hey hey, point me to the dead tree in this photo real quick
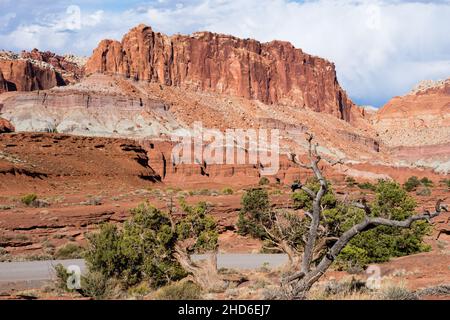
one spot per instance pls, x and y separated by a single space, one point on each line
309 271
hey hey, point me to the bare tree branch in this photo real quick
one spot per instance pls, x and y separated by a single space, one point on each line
369 222
316 240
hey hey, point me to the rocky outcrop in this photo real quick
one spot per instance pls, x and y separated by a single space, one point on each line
6 126
23 75
274 72
70 68
36 70
417 126
419 118
3 83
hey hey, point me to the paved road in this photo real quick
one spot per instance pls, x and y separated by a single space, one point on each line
43 270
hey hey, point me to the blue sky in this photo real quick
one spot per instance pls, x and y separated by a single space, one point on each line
381 48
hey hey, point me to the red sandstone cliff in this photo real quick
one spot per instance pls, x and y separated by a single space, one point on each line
70 69
23 75
421 117
37 70
3 83
274 72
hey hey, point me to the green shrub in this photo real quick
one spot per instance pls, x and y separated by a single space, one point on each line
375 245
140 290
426 182
183 290
227 191
383 242
96 285
264 181
367 186
61 277
197 224
142 250
352 257
254 214
303 201
350 181
411 184
93 284
69 251
29 199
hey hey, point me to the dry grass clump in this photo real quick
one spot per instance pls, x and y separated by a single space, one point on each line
181 290
397 292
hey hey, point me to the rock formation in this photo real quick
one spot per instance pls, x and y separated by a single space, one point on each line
70 67
421 117
273 73
3 83
6 126
23 75
37 70
104 105
417 125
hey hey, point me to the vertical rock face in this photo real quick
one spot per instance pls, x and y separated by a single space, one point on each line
3 84
23 75
68 67
36 70
274 72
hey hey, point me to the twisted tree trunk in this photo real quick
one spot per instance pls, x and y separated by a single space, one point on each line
204 272
297 285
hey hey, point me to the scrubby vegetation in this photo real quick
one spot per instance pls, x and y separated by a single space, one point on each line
182 290
255 213
28 199
413 183
94 284
426 182
69 251
227 191
424 192
145 248
446 182
198 225
264 181
350 181
384 242
397 292
151 251
378 244
367 186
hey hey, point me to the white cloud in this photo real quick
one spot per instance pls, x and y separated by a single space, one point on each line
5 19
380 48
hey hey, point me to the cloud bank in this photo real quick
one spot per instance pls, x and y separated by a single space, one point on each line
380 48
